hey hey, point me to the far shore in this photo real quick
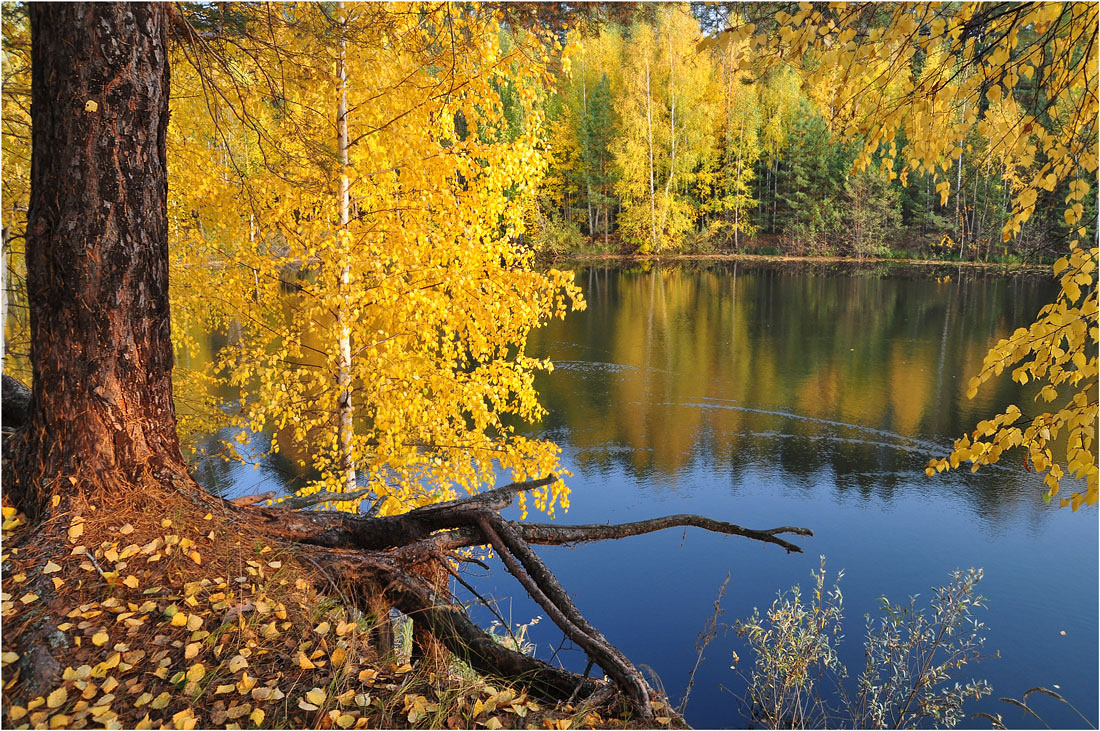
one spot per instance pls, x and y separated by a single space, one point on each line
778 258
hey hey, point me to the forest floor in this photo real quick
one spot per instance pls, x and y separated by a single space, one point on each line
159 616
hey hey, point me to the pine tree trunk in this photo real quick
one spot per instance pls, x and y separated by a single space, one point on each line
97 248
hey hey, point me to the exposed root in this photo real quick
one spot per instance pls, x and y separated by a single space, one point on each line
384 551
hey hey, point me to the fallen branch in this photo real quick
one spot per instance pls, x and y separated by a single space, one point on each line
378 555
548 534
544 588
414 596
344 530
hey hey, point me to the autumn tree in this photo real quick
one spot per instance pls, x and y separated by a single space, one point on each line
737 150
583 130
666 125
388 196
15 192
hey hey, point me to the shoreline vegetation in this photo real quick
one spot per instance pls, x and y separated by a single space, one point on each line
792 258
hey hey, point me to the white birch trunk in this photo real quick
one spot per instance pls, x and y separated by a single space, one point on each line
649 137
345 409
672 130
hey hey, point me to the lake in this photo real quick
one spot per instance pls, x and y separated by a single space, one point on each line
809 395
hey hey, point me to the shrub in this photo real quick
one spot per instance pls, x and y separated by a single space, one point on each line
797 679
556 236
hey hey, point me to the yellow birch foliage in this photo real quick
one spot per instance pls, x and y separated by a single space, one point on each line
666 107
438 297
1025 74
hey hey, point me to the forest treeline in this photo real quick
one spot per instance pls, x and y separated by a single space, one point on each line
661 140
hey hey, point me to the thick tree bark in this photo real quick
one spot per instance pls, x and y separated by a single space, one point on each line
97 247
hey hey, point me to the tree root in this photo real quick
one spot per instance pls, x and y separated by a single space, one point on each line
380 556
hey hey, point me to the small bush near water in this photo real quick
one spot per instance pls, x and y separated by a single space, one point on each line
797 680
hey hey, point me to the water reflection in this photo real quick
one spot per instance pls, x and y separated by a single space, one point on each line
806 367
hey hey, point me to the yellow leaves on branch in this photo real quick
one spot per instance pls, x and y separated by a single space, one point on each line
1059 349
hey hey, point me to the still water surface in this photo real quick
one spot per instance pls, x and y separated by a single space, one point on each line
807 395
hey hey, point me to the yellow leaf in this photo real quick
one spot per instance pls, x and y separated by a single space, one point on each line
57 697
91 106
161 701
315 695
100 638
51 568
246 684
236 663
257 716
304 662
196 672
